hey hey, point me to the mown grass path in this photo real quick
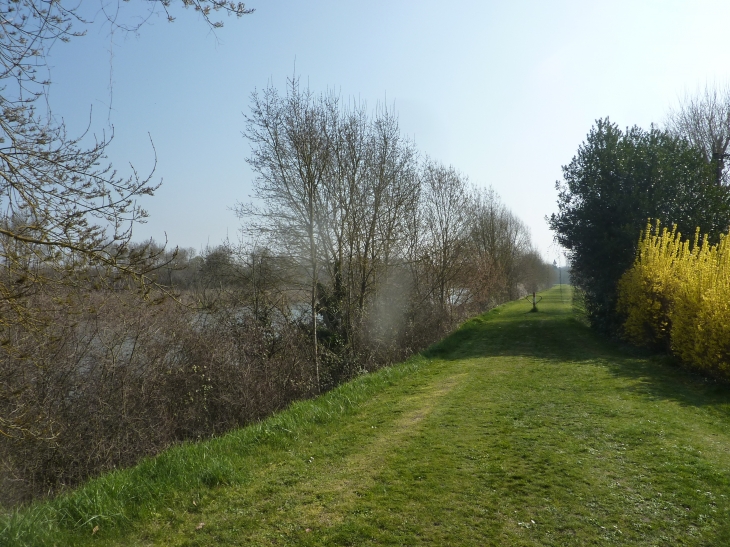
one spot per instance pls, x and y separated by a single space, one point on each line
520 429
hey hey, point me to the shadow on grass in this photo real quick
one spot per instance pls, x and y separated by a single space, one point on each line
555 335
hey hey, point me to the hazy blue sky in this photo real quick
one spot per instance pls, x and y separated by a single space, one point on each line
503 91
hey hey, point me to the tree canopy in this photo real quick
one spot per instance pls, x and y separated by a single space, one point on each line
615 183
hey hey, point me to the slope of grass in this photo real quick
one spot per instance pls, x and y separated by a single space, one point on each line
519 429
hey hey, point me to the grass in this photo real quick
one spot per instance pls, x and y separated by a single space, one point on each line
519 429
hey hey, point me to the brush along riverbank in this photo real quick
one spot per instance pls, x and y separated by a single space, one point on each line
519 429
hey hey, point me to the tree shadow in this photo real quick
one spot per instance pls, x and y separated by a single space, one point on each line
554 335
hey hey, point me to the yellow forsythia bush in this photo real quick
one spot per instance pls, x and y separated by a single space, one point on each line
647 290
676 296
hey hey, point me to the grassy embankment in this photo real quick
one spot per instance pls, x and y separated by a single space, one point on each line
519 429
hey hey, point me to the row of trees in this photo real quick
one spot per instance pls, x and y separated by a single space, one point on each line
115 377
378 237
619 179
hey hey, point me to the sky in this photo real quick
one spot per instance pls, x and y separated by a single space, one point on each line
505 92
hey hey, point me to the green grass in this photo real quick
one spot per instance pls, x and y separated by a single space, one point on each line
519 429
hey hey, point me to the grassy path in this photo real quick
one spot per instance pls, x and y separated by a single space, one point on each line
520 429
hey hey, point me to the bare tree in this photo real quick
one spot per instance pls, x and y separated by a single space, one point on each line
57 194
292 155
499 241
372 189
446 202
486 236
374 236
61 203
704 119
342 196
392 194
536 274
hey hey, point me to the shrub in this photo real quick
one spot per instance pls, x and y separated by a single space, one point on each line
648 289
125 380
675 296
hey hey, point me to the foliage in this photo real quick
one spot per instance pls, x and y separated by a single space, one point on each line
615 183
648 290
675 296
